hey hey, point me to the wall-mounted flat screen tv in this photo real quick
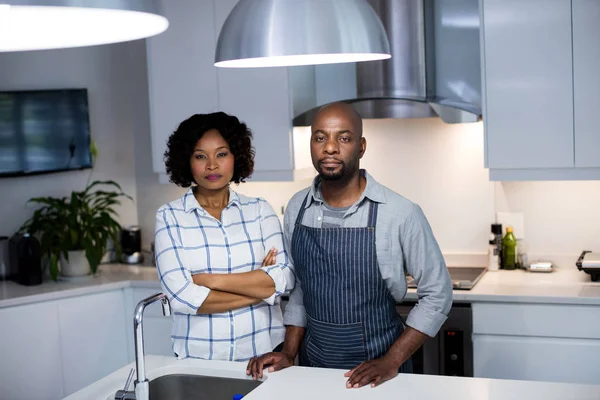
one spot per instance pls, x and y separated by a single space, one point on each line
44 131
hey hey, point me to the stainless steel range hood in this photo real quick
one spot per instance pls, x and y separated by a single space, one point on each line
434 70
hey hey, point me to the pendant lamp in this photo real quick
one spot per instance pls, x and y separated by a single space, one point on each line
50 24
275 33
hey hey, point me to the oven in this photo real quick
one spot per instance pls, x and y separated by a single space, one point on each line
451 351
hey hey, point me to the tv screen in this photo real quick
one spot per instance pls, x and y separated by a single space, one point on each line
44 131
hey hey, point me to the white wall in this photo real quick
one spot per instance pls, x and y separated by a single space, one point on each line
440 167
106 72
561 218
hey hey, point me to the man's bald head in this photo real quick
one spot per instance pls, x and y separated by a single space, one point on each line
341 111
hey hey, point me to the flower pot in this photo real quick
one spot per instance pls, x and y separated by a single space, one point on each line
77 265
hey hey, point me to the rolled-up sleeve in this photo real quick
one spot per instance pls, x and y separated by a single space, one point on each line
175 277
425 263
282 272
295 313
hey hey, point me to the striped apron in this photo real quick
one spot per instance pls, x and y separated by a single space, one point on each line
351 314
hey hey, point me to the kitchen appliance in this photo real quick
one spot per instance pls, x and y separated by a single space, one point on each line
6 268
450 352
131 245
26 257
435 69
589 262
463 278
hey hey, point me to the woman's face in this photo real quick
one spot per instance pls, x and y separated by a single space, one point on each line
212 161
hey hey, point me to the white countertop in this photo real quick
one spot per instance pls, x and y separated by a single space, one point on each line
109 277
313 383
564 286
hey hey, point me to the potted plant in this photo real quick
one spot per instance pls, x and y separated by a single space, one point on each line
74 231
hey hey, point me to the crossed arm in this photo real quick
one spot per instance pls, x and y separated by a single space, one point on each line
233 291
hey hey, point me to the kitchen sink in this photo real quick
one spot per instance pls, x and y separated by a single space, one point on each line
199 387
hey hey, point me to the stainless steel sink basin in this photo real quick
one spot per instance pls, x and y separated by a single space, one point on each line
199 387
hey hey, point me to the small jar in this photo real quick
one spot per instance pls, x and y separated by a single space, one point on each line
493 259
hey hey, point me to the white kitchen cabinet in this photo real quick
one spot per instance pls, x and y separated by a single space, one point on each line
538 342
93 340
30 353
586 81
540 89
528 83
537 359
184 81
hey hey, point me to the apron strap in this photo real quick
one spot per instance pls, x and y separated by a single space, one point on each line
372 214
302 208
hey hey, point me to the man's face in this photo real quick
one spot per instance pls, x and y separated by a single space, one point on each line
336 145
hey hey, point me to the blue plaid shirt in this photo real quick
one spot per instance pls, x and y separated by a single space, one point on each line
188 241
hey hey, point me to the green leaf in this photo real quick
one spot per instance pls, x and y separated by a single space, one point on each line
54 267
93 150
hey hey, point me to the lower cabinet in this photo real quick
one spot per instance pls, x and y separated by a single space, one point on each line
537 359
92 338
537 342
51 349
30 353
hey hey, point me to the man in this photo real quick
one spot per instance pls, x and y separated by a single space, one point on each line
351 241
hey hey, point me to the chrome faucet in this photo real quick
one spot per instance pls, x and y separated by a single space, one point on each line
142 386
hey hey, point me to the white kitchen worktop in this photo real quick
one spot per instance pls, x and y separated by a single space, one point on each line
313 383
566 285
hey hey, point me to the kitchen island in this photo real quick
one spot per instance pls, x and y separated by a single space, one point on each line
298 383
526 326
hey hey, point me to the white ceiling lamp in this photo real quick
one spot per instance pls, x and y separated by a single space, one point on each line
275 33
52 24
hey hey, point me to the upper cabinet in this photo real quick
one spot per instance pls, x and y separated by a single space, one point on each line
540 88
183 81
586 81
528 78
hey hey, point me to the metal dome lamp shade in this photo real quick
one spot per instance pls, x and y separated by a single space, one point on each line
277 33
51 24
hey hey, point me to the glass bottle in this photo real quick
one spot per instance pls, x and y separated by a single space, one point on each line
509 247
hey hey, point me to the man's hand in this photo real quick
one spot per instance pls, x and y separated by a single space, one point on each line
276 361
374 372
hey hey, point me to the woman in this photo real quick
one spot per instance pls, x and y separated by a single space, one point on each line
219 254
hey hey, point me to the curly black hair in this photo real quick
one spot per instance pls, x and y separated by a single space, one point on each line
181 143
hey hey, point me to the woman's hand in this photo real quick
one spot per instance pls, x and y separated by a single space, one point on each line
271 258
206 280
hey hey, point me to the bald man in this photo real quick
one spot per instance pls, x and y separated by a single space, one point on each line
351 242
